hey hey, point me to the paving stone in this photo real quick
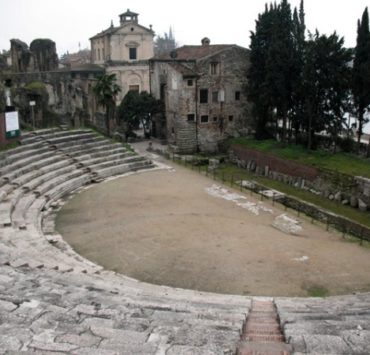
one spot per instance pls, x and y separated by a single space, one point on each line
92 351
62 347
10 343
82 340
326 344
125 347
7 306
192 350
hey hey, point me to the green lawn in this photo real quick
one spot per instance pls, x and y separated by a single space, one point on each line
229 170
342 162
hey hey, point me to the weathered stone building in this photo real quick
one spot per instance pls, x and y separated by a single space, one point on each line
202 88
125 51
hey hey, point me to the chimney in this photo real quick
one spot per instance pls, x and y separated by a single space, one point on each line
206 41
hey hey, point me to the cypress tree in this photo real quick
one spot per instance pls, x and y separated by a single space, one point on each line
299 35
361 73
256 88
326 82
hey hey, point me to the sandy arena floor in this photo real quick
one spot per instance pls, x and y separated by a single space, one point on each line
163 227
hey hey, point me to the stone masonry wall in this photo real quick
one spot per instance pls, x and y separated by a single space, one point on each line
228 118
69 96
344 189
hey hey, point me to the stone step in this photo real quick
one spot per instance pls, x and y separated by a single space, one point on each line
50 165
36 164
56 180
123 168
109 151
89 148
262 333
68 141
94 161
258 348
19 167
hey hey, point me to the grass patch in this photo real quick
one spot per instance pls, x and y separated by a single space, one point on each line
317 291
8 146
344 163
229 170
128 147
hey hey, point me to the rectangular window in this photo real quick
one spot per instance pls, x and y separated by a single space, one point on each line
103 54
214 96
132 53
190 82
237 95
231 118
214 68
162 92
203 93
98 53
191 117
204 118
214 118
134 88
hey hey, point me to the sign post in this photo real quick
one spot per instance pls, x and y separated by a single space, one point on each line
11 123
32 104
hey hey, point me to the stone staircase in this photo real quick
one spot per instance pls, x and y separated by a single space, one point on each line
262 333
54 301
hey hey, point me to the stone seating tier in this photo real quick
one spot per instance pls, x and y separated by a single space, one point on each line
53 300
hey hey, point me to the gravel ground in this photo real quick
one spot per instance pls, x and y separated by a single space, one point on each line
170 227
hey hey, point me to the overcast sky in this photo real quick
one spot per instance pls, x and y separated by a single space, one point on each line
72 22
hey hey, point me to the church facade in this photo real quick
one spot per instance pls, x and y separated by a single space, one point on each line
125 50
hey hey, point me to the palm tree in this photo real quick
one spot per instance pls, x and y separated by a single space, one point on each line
105 91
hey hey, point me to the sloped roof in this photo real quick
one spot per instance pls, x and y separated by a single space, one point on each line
183 69
195 52
108 31
112 29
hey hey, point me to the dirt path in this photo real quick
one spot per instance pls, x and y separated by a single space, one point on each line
164 227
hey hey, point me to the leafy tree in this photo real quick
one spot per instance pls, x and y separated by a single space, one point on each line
326 77
137 109
361 72
106 90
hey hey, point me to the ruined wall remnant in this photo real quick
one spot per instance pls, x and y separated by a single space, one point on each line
22 59
61 97
45 55
41 56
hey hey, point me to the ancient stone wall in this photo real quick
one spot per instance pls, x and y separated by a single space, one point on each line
277 164
45 54
68 97
344 189
41 56
22 59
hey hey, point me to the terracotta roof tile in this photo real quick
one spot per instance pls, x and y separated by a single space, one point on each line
195 52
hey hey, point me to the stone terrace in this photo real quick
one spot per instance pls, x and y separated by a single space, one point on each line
55 301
